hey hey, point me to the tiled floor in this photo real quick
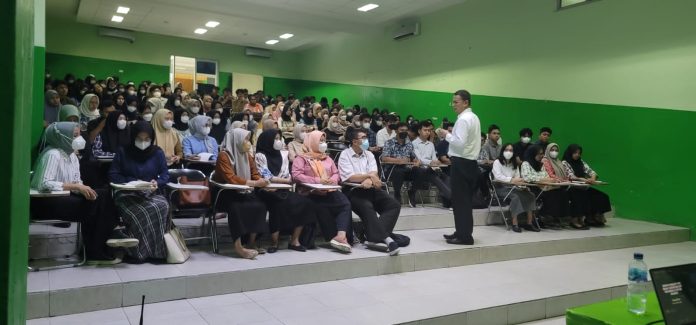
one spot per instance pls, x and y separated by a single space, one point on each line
411 296
427 240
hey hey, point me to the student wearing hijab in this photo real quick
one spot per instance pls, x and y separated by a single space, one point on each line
181 123
89 109
332 207
506 169
173 102
166 137
219 126
246 212
578 170
296 146
308 117
144 212
155 98
69 113
199 141
131 110
334 130
578 198
376 124
51 107
58 169
119 100
194 106
555 200
287 123
287 210
114 135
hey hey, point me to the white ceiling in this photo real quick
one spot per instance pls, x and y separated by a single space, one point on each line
249 22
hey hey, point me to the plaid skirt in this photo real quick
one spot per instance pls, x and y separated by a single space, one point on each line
145 216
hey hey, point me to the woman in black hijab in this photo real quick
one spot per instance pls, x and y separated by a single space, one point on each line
287 210
597 202
116 132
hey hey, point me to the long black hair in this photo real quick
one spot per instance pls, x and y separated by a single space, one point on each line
502 159
530 156
577 165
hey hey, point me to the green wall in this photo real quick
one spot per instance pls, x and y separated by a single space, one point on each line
60 64
16 65
641 151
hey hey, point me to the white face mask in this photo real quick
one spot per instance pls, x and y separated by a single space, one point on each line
357 123
216 121
322 147
379 123
206 130
302 109
168 124
334 125
349 114
157 94
121 124
553 154
142 145
132 109
131 92
195 109
142 91
177 103
219 109
278 145
366 125
302 136
184 119
342 117
526 139
147 117
507 154
79 143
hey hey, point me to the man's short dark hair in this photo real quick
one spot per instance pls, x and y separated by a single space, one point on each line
354 134
545 129
400 125
483 135
427 123
415 127
390 118
239 91
464 95
493 127
227 90
526 131
364 116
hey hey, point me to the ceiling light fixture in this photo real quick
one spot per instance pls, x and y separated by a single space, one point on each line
117 19
286 36
368 7
212 24
200 31
271 42
122 10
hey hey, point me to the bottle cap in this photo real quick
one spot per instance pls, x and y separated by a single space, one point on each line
638 256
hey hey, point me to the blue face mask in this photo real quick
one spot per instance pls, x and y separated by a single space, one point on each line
365 144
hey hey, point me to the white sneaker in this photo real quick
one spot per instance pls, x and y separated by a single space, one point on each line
340 246
382 247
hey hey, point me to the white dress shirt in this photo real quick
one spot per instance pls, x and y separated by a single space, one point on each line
383 135
350 163
425 151
465 139
505 172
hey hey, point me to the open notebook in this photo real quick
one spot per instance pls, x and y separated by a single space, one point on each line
133 186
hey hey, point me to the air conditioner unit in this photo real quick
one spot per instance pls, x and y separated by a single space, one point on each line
117 33
261 53
406 31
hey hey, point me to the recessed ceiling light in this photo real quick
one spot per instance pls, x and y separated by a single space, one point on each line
212 24
122 10
271 42
117 19
286 36
368 7
200 31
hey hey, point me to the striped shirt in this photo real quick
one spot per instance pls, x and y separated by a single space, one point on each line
54 168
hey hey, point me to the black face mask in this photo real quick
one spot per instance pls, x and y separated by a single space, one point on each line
403 135
391 126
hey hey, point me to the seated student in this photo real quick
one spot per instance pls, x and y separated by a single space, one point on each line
398 153
51 107
295 147
246 212
89 109
332 207
199 141
287 123
113 136
58 169
145 213
131 108
181 123
442 146
356 124
166 138
578 170
69 113
506 169
387 132
491 149
376 125
335 131
521 146
425 152
146 113
544 137
219 126
578 196
358 165
555 200
286 210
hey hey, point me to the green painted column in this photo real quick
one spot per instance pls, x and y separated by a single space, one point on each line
16 67
38 80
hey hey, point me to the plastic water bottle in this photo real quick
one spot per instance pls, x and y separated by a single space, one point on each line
636 294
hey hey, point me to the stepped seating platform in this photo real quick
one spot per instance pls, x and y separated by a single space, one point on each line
93 289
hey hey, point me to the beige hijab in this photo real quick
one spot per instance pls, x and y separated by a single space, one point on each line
164 138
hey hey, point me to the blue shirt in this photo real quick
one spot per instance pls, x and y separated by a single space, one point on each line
393 149
194 146
125 169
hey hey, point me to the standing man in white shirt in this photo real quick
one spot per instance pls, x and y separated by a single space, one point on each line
464 148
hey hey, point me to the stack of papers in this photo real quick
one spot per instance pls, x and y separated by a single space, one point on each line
134 186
